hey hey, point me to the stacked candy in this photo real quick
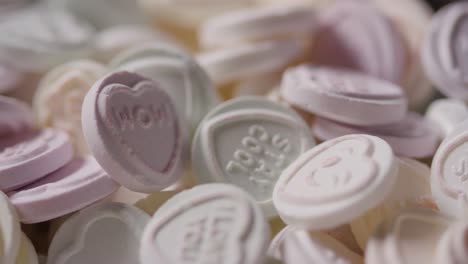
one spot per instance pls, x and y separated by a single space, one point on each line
116 147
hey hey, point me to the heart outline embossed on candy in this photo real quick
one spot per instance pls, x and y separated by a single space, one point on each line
162 116
132 128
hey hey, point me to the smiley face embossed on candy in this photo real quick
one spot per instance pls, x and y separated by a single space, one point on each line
212 223
335 182
133 130
248 142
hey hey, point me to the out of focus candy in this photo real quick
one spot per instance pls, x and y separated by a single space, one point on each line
103 233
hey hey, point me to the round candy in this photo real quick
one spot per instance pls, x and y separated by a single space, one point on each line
411 237
412 137
335 182
210 223
132 128
235 63
445 50
300 247
60 94
412 190
112 41
74 186
177 73
27 157
10 231
248 142
257 24
449 173
411 18
446 114
355 35
40 38
343 95
15 116
105 233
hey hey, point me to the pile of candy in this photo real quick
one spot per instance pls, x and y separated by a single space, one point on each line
236 131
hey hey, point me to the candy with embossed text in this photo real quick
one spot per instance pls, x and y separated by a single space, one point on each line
335 182
248 142
449 173
215 223
133 130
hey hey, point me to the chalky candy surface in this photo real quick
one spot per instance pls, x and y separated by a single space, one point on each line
29 156
248 142
104 233
356 35
209 223
343 95
178 74
133 130
335 182
72 187
60 94
411 137
449 175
